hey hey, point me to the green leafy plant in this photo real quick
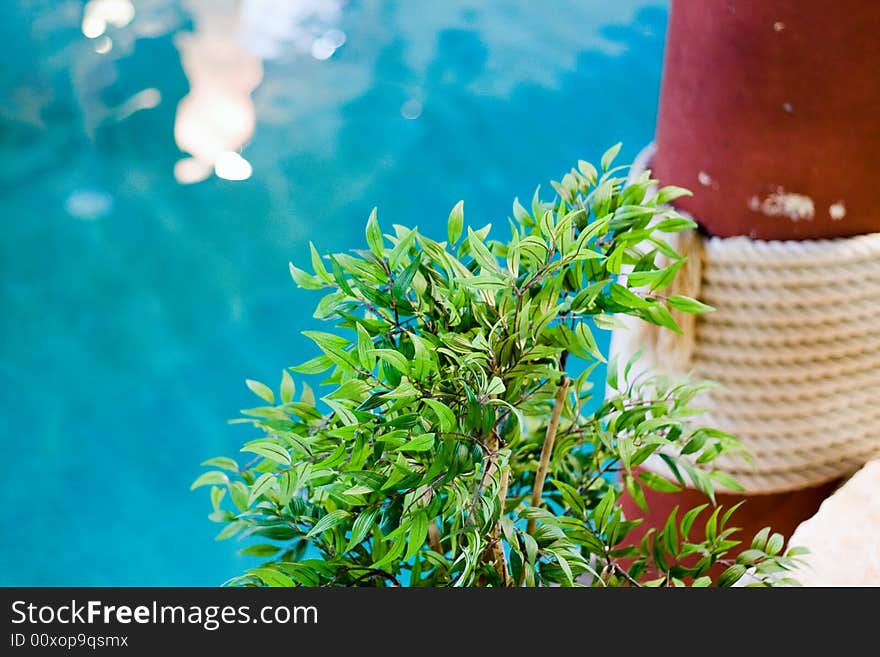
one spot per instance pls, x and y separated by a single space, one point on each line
454 445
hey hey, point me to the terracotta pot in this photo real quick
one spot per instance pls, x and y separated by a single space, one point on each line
770 112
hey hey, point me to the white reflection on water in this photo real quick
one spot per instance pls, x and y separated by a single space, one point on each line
88 204
270 28
98 14
411 109
232 166
222 59
230 40
103 45
143 100
217 115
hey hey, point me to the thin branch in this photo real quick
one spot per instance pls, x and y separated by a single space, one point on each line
547 450
374 573
604 470
429 491
497 547
620 571
494 551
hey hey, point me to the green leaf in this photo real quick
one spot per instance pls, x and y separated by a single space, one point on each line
374 235
588 342
394 358
635 492
687 520
480 253
727 481
775 544
571 496
402 248
339 277
304 279
609 155
564 565
357 490
615 260
342 413
404 280
209 479
612 373
670 532
486 282
641 278
588 170
495 387
520 213
238 492
288 387
217 494
749 557
670 193
271 577
366 355
230 530
537 205
760 540
318 265
712 524
261 486
268 449
397 547
675 225
626 298
287 483
445 416
731 576
361 527
456 222
261 390
221 462
531 546
656 482
603 510
262 550
688 305
328 342
328 522
668 275
314 366
418 532
418 444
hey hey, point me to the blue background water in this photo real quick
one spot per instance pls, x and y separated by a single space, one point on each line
133 307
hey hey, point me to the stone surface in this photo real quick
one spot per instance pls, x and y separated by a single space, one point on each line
844 535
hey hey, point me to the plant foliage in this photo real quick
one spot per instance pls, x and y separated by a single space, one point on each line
455 445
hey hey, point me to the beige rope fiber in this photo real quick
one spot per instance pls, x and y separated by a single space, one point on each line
794 343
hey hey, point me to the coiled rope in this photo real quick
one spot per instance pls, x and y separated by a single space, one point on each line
794 343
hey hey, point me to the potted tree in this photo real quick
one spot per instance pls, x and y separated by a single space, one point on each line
455 444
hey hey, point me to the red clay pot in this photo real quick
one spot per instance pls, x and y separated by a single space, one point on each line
768 107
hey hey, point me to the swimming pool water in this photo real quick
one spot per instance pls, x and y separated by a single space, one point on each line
134 306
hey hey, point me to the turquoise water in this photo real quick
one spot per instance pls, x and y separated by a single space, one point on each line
134 306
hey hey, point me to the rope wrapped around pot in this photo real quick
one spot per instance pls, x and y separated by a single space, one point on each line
794 343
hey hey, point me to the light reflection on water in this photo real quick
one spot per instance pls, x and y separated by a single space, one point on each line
135 306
